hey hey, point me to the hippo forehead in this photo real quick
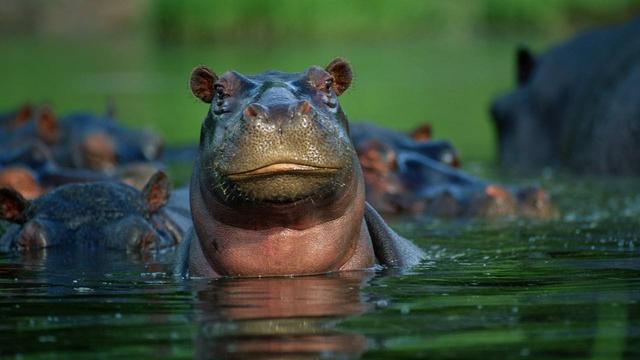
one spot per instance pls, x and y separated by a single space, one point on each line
266 82
88 204
273 76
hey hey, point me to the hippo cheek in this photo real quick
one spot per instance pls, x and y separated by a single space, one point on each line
34 235
493 202
133 233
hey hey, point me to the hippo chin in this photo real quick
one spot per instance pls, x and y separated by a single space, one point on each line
277 188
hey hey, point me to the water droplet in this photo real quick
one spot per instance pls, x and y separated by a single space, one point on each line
47 339
83 289
405 310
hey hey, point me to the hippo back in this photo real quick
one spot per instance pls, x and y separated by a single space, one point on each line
579 107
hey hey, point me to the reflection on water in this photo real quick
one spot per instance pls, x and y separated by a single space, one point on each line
569 288
279 317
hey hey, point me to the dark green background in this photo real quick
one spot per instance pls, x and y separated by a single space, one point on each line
414 61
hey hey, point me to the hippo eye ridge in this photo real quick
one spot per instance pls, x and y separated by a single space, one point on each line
220 92
220 102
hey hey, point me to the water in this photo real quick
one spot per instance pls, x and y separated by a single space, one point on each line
568 288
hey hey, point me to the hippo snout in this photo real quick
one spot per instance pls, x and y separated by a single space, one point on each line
279 115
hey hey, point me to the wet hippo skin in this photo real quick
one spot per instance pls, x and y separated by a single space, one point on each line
575 107
97 215
277 188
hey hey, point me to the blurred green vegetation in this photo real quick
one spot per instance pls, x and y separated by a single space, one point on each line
414 61
222 21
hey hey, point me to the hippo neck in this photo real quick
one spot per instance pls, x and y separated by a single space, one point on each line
298 215
338 243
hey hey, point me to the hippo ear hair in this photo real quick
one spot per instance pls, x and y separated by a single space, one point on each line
525 64
202 80
156 193
13 206
342 75
47 125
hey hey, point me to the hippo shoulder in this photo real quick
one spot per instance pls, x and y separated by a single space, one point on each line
181 265
190 261
390 248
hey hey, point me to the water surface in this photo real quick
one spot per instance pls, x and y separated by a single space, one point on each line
567 288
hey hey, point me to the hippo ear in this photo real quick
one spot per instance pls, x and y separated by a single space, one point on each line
47 126
23 115
13 206
202 80
341 72
525 64
156 193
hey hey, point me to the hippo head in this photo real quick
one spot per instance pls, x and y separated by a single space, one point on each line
273 142
108 214
521 116
100 143
18 118
41 125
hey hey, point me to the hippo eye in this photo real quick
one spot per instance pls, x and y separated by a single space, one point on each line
328 84
220 92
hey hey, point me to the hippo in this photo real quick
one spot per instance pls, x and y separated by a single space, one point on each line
105 214
99 143
419 141
576 107
277 188
16 118
31 170
411 174
84 140
26 125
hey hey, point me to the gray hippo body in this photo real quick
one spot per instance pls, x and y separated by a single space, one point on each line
100 215
577 106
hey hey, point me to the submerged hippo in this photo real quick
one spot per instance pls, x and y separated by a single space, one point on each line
100 143
576 106
31 170
419 141
277 188
101 214
79 140
15 118
412 174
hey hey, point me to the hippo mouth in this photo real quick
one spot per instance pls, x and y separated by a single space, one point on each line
283 169
282 182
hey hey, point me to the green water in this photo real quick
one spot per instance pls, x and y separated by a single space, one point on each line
568 288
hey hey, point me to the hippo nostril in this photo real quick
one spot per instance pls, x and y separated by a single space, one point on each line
255 111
